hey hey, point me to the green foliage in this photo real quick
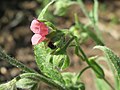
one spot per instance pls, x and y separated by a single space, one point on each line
94 37
15 62
52 61
112 57
25 83
41 15
9 86
97 69
42 55
83 32
61 7
61 61
101 85
72 81
94 13
114 61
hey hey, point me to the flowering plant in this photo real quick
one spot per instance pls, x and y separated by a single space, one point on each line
50 49
40 30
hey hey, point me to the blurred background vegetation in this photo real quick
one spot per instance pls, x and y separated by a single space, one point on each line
15 35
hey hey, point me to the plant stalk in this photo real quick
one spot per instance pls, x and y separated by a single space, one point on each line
18 64
90 19
15 62
44 79
83 71
108 83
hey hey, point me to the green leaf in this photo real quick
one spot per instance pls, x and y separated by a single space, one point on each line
57 37
41 16
72 82
39 77
9 85
34 76
97 69
35 87
62 50
95 11
42 56
101 84
50 25
112 57
61 7
117 83
66 62
61 61
88 32
94 36
25 83
69 78
79 86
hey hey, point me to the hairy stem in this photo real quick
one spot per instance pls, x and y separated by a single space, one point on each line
18 64
44 79
15 62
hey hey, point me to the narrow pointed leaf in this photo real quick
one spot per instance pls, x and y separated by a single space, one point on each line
94 37
95 11
112 57
44 10
99 84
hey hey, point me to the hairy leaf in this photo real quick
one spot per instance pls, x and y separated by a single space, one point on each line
25 83
112 57
9 85
61 61
44 10
42 55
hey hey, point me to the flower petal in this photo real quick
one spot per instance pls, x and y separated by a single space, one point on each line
39 27
43 29
35 26
37 38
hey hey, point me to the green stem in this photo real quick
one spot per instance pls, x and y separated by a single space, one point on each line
83 71
44 79
63 49
86 59
68 43
84 9
81 57
108 83
82 52
90 19
14 62
117 82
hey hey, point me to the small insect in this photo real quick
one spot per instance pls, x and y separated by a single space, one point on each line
51 45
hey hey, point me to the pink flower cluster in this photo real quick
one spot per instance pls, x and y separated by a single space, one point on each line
40 30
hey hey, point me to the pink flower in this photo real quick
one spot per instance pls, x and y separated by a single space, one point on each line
40 30
37 38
